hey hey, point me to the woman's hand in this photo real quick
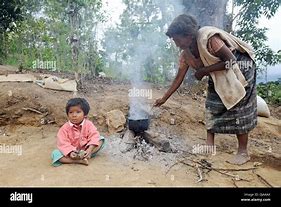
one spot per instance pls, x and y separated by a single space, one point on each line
200 73
159 102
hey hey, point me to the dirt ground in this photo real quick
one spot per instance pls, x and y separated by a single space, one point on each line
36 134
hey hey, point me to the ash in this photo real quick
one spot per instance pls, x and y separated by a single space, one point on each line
144 151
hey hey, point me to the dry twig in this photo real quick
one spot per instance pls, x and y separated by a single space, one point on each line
199 174
234 183
33 110
233 169
236 177
263 180
207 165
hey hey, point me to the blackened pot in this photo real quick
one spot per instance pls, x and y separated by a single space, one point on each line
139 125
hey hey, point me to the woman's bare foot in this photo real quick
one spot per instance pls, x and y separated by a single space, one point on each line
239 159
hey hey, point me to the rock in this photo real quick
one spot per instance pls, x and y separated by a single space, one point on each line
100 120
102 75
202 122
256 164
205 93
124 147
173 113
151 182
10 93
115 121
18 112
172 121
162 144
128 142
134 169
129 137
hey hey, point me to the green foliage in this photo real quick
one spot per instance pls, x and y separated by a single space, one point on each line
12 13
43 32
270 91
251 11
33 30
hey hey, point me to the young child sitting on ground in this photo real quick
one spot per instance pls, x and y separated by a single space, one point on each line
77 140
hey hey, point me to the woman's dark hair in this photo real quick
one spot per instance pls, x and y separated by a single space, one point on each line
183 25
78 102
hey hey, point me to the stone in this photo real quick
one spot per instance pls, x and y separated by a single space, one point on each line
128 141
100 120
115 120
129 137
161 143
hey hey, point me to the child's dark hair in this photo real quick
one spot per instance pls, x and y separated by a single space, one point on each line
78 102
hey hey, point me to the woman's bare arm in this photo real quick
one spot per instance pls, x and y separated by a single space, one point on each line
175 85
225 55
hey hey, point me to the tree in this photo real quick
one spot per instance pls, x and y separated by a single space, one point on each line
138 47
207 13
214 13
45 31
11 12
247 21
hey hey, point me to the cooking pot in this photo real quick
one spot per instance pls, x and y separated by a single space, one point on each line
138 125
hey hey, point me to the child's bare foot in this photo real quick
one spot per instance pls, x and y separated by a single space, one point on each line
239 159
84 162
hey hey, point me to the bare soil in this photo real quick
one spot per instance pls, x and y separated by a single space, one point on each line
36 132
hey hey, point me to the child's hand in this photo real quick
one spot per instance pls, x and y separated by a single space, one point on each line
73 155
89 151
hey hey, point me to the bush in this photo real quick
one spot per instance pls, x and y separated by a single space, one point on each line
270 91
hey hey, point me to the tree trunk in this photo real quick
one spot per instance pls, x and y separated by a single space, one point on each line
74 40
207 13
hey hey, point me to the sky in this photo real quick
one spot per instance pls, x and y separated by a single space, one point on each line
274 41
115 7
274 31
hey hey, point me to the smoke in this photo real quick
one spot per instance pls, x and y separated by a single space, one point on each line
150 48
144 48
